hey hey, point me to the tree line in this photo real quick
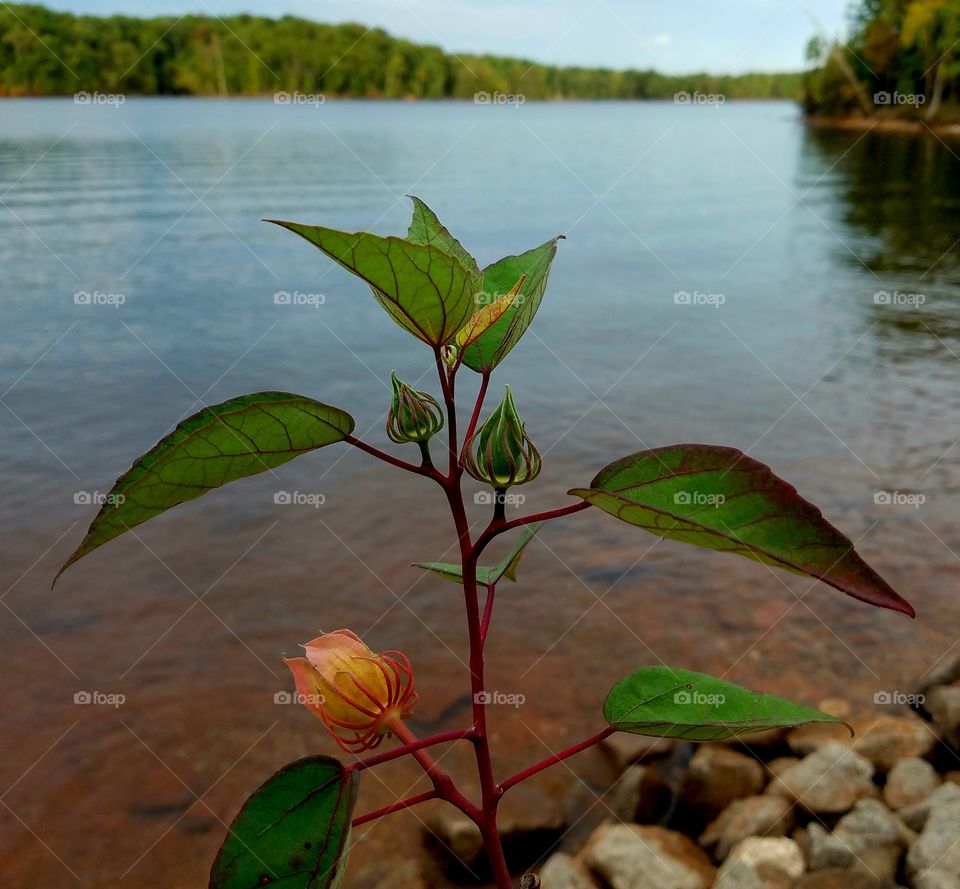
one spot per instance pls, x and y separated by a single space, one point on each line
902 60
47 53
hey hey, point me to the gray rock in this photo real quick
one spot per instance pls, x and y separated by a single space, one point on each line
561 871
870 837
886 739
717 775
632 856
456 835
915 816
640 795
910 781
748 817
623 749
933 861
842 878
829 781
761 863
943 702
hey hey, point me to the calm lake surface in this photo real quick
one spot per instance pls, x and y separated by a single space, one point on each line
789 234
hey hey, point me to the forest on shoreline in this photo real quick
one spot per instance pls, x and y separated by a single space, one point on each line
48 53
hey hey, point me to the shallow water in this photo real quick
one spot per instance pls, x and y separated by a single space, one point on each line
160 201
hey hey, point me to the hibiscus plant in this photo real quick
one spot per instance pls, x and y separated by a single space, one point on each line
294 830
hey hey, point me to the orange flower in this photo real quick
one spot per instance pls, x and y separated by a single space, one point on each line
357 694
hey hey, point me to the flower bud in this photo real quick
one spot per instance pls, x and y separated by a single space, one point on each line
357 694
501 453
414 416
450 353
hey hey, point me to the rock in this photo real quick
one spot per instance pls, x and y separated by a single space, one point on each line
910 781
943 704
561 871
774 769
751 816
842 878
456 835
915 816
870 837
408 875
885 740
640 795
631 856
829 781
623 749
761 863
933 861
716 776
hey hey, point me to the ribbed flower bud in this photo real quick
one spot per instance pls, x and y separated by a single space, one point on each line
414 416
359 695
501 453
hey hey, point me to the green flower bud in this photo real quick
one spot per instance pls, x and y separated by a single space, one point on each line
414 416
501 453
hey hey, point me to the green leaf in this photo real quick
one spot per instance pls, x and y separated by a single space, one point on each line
498 280
507 567
425 228
669 703
243 436
719 498
292 831
428 292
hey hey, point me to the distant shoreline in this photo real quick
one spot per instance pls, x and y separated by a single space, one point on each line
882 124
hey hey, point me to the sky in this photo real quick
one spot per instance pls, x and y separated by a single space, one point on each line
672 36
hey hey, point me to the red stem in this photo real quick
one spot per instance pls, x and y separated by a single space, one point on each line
553 760
407 803
475 418
498 526
409 747
426 470
487 611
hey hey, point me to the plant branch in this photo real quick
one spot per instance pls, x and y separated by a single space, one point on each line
410 747
553 760
475 417
407 803
428 471
498 526
487 611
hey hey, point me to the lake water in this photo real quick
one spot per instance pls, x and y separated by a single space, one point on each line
845 394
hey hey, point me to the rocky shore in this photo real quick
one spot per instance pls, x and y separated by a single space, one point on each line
810 808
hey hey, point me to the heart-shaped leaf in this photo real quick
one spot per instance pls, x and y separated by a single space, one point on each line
507 567
498 279
721 499
425 228
428 292
665 702
292 831
240 437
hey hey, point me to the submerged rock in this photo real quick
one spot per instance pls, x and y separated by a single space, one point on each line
829 781
910 781
761 863
751 816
